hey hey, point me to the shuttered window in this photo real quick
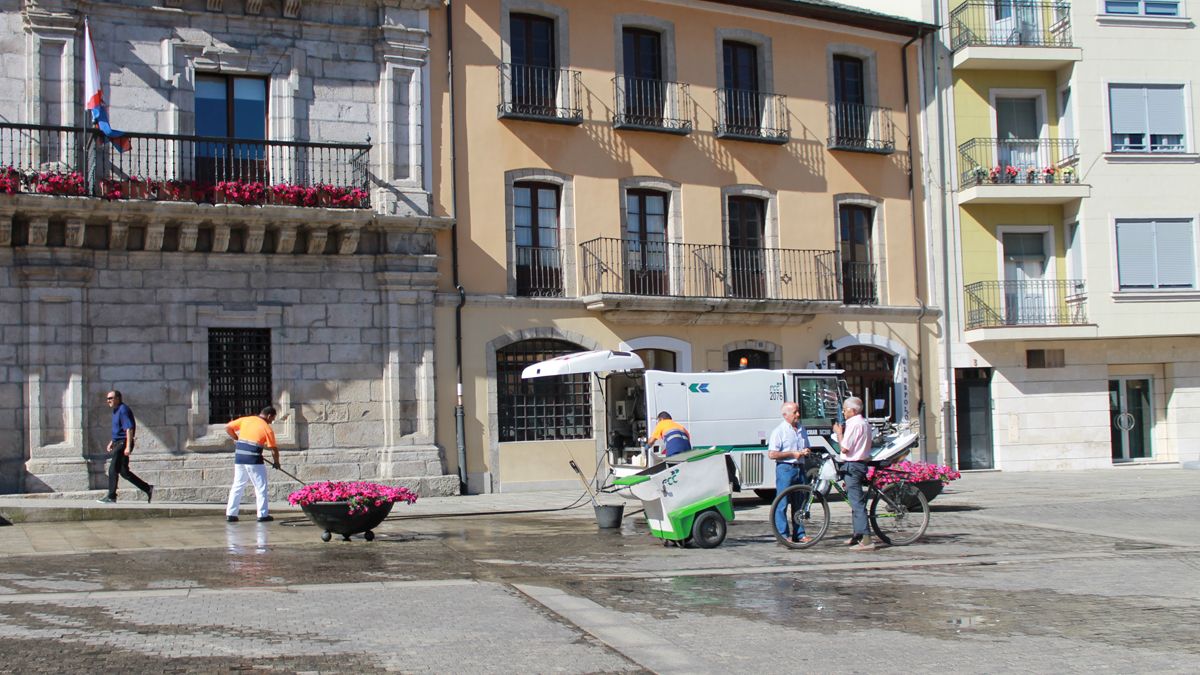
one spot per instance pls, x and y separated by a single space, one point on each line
1155 254
1147 118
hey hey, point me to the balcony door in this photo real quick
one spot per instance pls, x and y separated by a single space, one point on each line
535 225
1028 298
646 242
743 105
850 99
747 260
231 107
1018 130
534 83
645 91
858 269
1014 22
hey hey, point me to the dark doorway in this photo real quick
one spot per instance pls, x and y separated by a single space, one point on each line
754 358
858 270
743 104
973 397
646 242
534 71
850 100
644 87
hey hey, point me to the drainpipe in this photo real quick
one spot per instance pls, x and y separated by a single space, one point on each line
912 203
460 436
951 457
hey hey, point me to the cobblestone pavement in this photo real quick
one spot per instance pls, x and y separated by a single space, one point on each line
1067 575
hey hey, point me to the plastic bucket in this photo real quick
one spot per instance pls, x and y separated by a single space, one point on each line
609 516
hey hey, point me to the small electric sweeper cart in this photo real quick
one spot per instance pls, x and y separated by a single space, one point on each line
686 497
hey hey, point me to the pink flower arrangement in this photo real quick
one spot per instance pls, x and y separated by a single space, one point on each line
913 472
359 496
242 192
1011 170
60 183
10 181
319 195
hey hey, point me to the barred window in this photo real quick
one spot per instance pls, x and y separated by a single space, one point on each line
239 372
544 408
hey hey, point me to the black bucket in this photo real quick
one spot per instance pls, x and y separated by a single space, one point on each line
609 516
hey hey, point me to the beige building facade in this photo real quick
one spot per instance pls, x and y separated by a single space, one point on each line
700 182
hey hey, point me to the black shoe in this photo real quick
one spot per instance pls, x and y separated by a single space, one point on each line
150 494
231 519
107 500
265 519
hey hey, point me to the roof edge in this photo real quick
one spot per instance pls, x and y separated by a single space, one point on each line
842 14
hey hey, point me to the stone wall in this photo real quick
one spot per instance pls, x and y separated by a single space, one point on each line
100 293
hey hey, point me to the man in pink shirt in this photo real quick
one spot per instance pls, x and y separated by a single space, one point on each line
855 442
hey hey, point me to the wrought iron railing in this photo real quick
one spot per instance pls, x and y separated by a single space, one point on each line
635 267
539 271
752 116
1018 161
862 128
859 286
652 105
188 168
1010 23
1049 302
540 93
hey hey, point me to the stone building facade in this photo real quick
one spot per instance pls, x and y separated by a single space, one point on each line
203 276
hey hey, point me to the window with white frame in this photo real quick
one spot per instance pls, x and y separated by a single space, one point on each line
1147 118
1142 7
1155 254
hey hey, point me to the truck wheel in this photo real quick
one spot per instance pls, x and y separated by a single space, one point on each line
766 496
708 530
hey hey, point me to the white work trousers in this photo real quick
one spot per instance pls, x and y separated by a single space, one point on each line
248 473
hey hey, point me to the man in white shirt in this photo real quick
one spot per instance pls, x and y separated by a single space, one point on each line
788 446
855 442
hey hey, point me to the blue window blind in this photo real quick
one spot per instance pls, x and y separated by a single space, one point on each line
1155 254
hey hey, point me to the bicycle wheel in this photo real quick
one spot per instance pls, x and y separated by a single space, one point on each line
899 513
805 508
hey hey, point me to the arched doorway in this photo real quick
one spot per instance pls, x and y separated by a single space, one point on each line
870 372
755 358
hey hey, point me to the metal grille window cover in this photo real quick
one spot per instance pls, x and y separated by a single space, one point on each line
239 372
544 408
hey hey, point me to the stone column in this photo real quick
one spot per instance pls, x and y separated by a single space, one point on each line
54 309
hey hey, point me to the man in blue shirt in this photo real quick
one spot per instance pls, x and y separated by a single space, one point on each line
788 446
124 429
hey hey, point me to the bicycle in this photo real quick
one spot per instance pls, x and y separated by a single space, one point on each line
898 511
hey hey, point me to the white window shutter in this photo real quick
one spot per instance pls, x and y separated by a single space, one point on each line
1128 107
1164 106
1175 251
1135 254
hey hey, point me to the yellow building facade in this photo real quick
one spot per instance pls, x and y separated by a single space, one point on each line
700 182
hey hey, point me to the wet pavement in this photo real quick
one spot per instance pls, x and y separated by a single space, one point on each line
1018 573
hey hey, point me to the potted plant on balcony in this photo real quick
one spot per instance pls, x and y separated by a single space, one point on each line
175 190
68 183
348 508
929 478
980 175
10 181
246 193
1010 174
1031 174
996 173
1068 174
1048 173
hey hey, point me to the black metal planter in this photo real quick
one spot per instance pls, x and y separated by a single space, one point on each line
335 518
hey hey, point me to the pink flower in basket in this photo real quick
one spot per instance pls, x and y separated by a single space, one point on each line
359 496
914 472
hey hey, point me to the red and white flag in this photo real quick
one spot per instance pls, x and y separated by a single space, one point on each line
95 93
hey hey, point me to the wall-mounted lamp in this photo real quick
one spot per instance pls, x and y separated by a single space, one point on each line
828 342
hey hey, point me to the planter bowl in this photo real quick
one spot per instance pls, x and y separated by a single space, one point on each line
335 518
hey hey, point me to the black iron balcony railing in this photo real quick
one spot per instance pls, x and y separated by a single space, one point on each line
859 285
539 272
1010 23
633 267
861 128
540 93
80 161
749 115
650 105
1050 302
1018 161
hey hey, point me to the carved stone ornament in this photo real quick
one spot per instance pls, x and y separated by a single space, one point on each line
291 9
254 7
216 5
